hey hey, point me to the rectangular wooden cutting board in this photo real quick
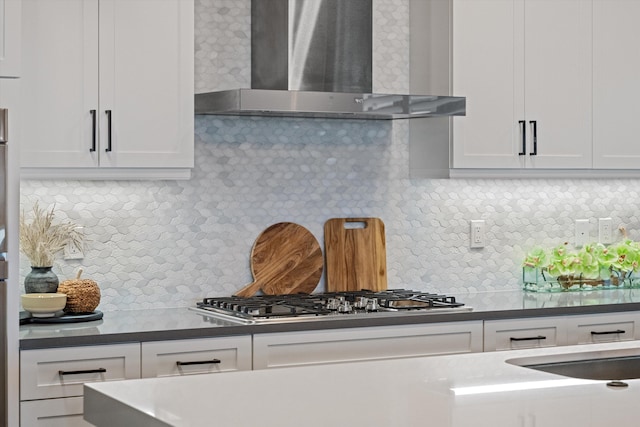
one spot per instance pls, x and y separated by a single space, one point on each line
356 254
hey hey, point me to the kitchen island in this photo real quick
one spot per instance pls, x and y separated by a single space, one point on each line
480 389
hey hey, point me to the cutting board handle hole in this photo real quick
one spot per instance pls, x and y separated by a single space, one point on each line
355 225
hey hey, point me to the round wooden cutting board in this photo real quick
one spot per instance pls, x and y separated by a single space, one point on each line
285 259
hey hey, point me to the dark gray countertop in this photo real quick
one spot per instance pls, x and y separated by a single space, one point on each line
183 323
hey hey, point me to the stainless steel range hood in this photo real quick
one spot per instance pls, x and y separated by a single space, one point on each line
313 58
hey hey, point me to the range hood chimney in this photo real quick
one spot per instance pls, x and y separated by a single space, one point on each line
313 58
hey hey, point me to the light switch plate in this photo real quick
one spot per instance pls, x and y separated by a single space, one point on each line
582 232
72 251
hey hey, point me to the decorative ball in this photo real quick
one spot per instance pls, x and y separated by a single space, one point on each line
83 295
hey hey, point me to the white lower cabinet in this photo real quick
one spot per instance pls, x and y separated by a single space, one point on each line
551 407
358 344
51 380
65 412
600 328
196 356
515 334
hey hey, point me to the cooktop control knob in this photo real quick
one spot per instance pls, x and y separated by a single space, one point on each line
345 307
333 304
372 304
360 302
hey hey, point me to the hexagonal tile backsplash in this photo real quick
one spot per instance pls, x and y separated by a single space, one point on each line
170 243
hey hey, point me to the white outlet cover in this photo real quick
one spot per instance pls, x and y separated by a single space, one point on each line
605 231
477 235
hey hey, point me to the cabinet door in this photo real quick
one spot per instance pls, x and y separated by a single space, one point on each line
557 76
146 83
59 83
10 49
357 344
195 356
67 412
487 58
616 89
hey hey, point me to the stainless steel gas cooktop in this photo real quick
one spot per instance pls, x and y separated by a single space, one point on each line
327 306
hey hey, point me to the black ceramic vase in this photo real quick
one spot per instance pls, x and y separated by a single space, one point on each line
41 280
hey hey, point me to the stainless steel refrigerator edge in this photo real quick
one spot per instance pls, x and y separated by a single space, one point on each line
3 260
9 226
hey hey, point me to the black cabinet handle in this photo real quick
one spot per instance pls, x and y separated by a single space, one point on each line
539 337
87 371
534 125
524 137
108 149
617 331
198 362
93 131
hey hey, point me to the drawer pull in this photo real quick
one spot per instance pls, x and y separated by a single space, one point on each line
198 362
87 371
617 331
539 337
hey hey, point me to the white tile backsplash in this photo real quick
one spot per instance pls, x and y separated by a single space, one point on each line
169 243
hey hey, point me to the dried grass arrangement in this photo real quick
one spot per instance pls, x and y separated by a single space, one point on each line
41 240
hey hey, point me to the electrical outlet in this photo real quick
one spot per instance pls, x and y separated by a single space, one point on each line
477 233
605 231
72 251
582 232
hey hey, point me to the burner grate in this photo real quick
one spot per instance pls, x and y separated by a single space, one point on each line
362 302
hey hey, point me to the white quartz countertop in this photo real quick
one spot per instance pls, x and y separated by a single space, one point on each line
479 389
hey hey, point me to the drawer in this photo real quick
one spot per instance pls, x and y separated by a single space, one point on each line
61 372
515 334
65 412
357 344
602 328
196 356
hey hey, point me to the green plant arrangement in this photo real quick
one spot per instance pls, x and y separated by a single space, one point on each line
594 266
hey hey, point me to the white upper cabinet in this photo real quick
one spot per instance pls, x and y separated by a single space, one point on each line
10 38
146 81
108 85
525 68
60 83
616 84
484 71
